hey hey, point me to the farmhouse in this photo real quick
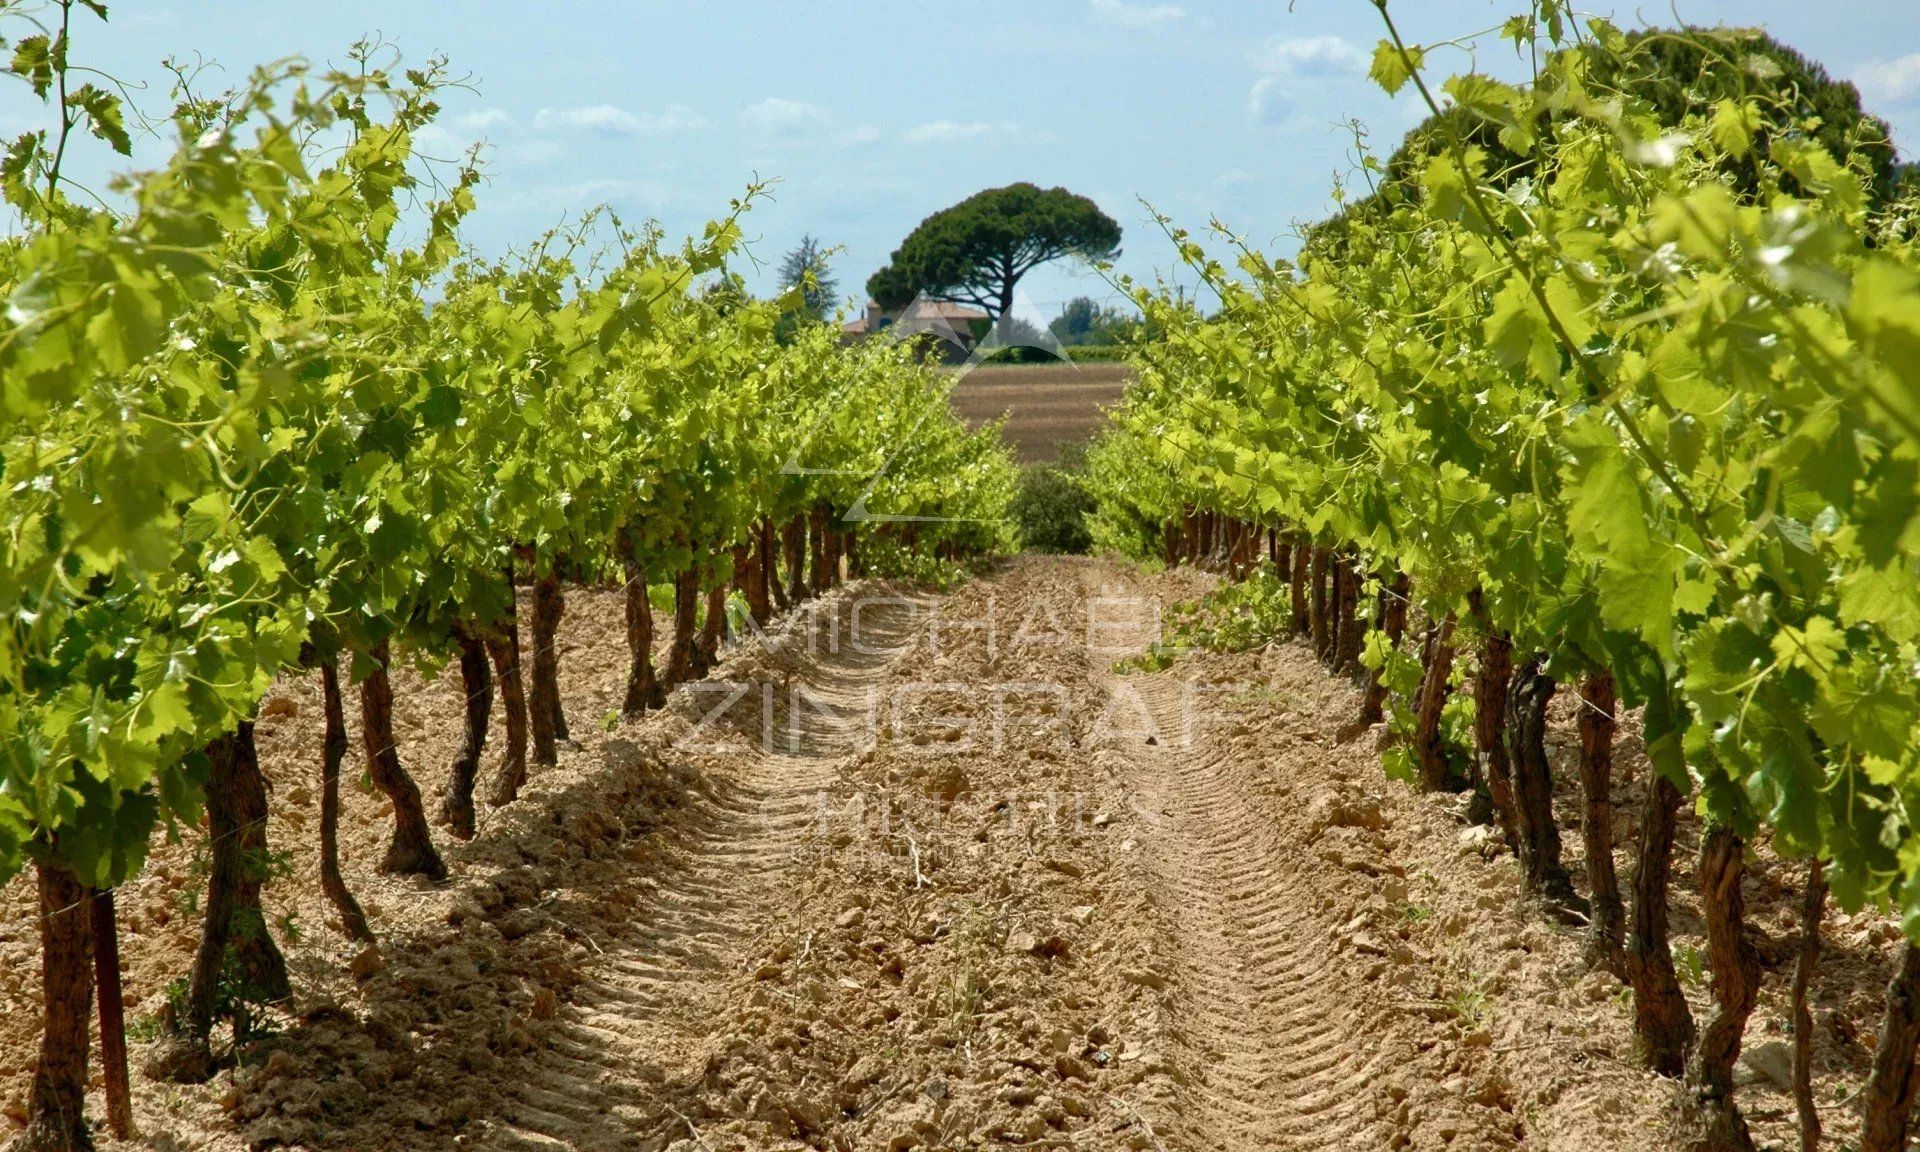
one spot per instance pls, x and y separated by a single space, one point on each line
957 326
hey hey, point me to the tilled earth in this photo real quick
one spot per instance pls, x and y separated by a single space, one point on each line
928 872
1045 406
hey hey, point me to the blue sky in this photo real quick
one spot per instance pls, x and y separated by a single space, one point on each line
872 116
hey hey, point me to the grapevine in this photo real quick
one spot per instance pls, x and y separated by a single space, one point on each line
250 432
1628 390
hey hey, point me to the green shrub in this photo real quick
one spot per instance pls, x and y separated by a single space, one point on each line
1076 353
1097 353
1052 505
1235 617
887 560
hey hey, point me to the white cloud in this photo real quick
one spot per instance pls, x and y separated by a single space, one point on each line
953 132
526 153
1889 81
458 133
1286 60
673 118
608 120
593 118
862 134
1311 56
155 20
1128 15
485 120
1233 178
1269 102
778 117
644 195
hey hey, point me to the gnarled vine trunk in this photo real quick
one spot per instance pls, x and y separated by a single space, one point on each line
1813 906
411 851
1527 699
544 710
333 753
706 647
1352 626
503 646
818 537
56 1104
769 543
476 682
1246 549
1492 680
751 566
1606 933
743 561
234 926
259 958
113 1014
1886 1105
1348 630
795 537
1392 614
1336 609
686 626
1429 742
643 689
1298 584
1714 1120
1662 1023
1317 591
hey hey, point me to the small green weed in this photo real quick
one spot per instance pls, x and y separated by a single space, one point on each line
1691 965
1235 617
1471 1003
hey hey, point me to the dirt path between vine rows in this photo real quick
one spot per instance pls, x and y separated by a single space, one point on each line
1320 1005
928 871
649 993
1280 1052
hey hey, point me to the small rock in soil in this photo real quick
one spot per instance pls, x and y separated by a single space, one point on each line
366 963
1771 1061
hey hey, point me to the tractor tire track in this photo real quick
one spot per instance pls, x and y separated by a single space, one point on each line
628 1040
1278 1049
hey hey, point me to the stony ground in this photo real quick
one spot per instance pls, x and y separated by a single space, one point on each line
928 872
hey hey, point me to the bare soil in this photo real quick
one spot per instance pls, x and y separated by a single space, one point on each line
1046 405
926 872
